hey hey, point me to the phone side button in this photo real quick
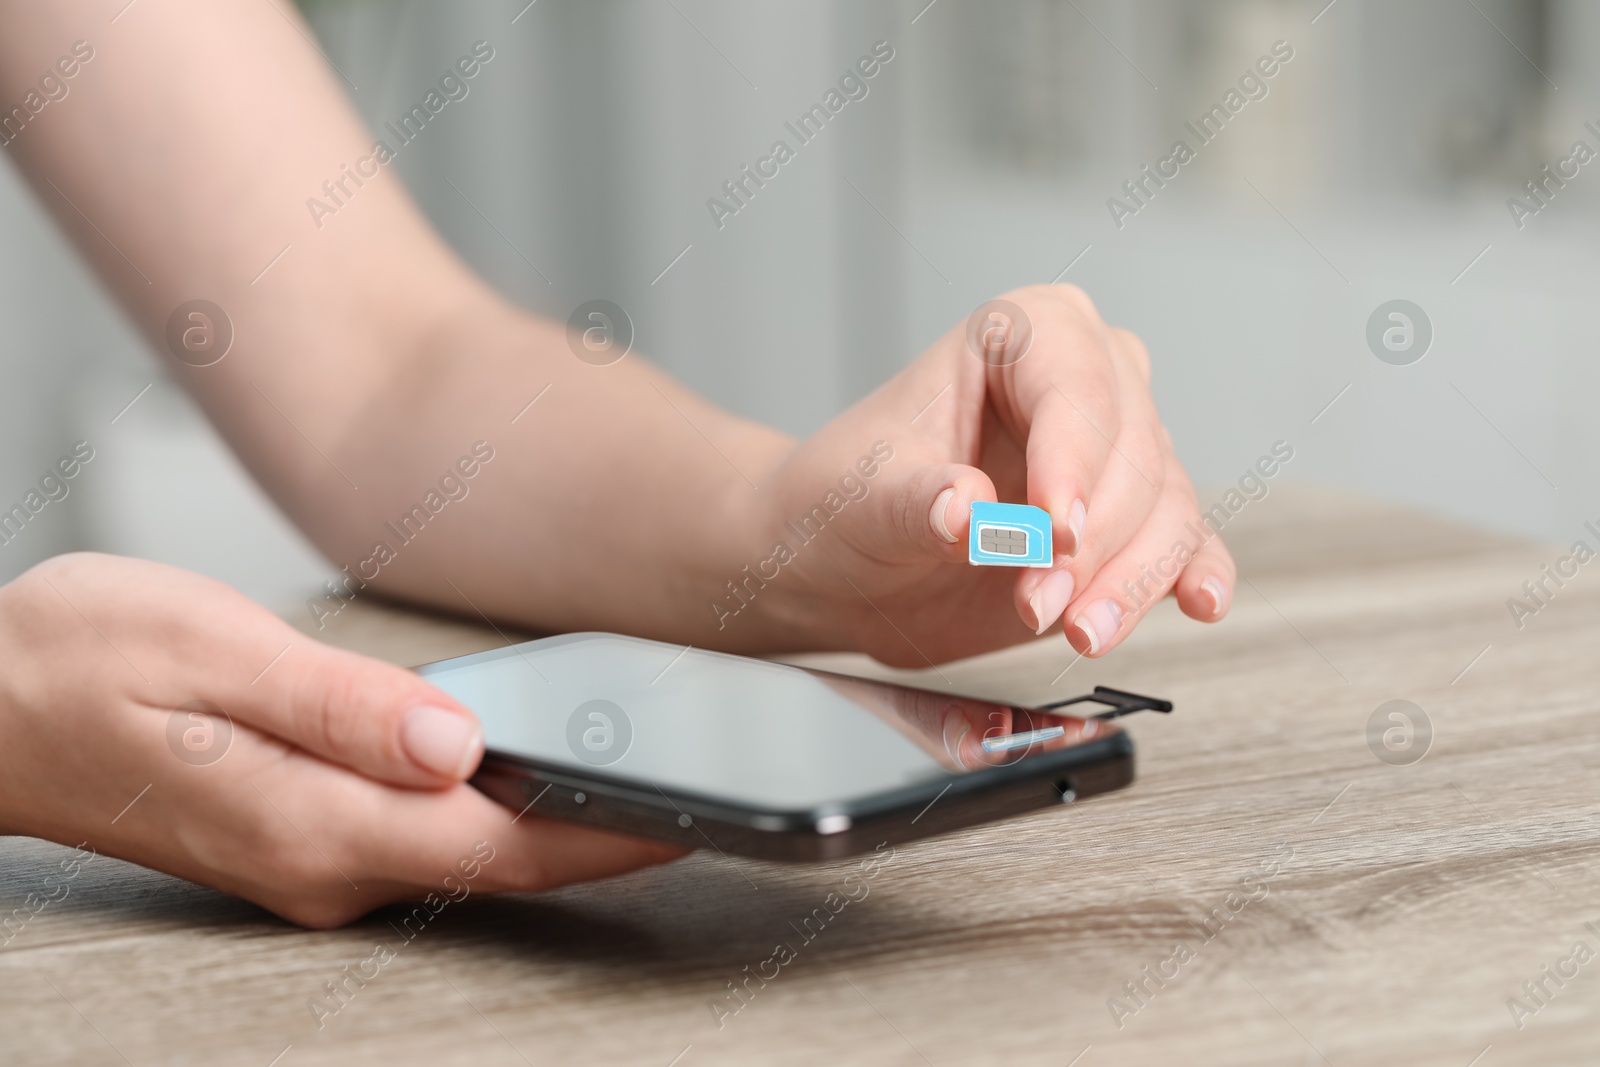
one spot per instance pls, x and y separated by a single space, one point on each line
833 824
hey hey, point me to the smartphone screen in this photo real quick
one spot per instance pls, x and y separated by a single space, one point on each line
747 732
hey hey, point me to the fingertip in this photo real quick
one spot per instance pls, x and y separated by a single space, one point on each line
1077 516
1094 630
1068 519
938 517
950 514
442 741
1218 596
1078 639
1042 595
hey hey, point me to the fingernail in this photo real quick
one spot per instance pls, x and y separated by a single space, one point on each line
1075 519
1218 593
936 516
1050 599
442 741
1098 623
956 728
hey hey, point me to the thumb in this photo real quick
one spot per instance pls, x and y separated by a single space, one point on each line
372 717
922 513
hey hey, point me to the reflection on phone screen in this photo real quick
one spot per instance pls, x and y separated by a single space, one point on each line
752 732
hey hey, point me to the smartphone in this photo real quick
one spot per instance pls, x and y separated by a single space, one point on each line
762 759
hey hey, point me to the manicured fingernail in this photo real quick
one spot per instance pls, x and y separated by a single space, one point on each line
1075 518
1091 727
1218 593
1098 623
936 516
442 741
1050 599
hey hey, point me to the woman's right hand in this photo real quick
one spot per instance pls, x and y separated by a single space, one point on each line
335 784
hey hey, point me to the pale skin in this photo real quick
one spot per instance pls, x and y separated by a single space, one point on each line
367 362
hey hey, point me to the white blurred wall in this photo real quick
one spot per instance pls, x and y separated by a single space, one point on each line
981 159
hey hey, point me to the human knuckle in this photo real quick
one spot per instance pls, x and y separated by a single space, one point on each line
29 596
1102 412
1147 444
326 701
1071 296
1132 347
1052 306
900 515
37 607
46 579
1178 493
1179 482
72 563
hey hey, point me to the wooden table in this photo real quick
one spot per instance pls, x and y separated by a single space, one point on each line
1416 900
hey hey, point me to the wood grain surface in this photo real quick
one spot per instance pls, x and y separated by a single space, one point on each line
1370 912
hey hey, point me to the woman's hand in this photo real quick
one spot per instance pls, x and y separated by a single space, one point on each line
1064 421
333 785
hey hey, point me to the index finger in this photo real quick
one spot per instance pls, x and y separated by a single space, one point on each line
1061 395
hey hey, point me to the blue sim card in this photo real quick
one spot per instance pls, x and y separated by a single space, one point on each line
1009 535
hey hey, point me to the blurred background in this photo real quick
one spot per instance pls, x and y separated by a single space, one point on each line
1377 167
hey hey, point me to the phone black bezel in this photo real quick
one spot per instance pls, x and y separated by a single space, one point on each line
827 831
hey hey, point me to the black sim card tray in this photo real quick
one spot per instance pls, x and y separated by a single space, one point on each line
1119 702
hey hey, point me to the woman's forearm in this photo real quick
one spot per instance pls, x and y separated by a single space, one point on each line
615 498
184 159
